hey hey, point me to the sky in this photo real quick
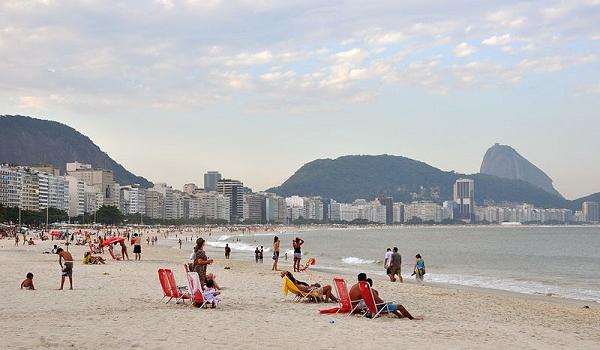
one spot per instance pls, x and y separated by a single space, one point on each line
255 89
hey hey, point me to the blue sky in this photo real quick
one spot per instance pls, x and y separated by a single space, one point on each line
255 89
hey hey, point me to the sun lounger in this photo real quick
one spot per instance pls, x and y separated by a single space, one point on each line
289 286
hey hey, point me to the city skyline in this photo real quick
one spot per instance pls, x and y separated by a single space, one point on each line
256 90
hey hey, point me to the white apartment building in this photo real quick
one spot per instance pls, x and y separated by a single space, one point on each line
53 192
93 198
214 206
10 187
76 196
398 213
426 211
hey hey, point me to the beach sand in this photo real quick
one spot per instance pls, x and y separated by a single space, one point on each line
117 306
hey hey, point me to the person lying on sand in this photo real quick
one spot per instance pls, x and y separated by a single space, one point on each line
396 309
28 282
324 292
88 258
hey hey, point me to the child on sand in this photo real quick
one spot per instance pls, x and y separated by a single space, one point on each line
67 267
28 282
211 294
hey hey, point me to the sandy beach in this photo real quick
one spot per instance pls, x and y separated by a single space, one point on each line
118 305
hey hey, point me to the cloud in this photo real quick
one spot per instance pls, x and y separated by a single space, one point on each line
497 40
464 50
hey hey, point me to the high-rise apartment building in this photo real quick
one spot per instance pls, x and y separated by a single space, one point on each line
464 196
10 186
190 188
234 190
591 211
155 204
133 199
210 180
76 196
388 202
101 178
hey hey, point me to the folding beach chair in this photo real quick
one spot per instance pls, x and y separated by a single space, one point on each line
195 288
164 283
373 308
343 297
176 292
289 286
309 262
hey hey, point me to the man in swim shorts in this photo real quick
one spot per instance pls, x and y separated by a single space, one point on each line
66 267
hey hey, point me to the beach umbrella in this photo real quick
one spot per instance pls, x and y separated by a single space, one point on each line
112 240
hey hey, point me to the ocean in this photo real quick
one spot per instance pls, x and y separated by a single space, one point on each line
554 261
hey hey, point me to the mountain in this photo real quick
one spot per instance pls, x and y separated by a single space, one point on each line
576 204
504 161
362 176
29 141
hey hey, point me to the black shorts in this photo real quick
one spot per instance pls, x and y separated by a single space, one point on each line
388 271
137 249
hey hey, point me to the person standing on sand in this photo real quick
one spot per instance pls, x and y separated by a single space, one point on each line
17 240
260 254
396 266
419 269
387 260
180 243
201 261
137 246
227 251
275 253
256 252
297 245
124 250
67 268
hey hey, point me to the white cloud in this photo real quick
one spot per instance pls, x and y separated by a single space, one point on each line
464 50
382 39
497 40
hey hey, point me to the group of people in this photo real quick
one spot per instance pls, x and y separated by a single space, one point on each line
393 266
199 263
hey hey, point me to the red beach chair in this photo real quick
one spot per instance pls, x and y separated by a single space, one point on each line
374 309
164 283
309 262
195 288
344 298
176 292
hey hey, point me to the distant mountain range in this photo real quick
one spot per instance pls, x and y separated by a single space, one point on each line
30 141
365 176
503 161
505 175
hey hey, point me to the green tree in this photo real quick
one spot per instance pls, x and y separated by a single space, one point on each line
109 215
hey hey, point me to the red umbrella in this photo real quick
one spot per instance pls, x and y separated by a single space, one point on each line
112 240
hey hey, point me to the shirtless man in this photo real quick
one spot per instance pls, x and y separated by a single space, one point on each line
396 309
67 267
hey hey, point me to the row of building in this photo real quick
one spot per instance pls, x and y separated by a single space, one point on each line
84 189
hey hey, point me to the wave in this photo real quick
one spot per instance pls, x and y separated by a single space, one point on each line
223 238
356 261
235 246
511 285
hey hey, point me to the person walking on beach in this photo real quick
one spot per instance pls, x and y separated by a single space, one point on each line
17 240
137 246
227 251
387 260
66 268
180 243
275 253
260 254
297 245
396 266
419 269
256 252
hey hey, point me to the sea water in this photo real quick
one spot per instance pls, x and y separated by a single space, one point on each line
556 261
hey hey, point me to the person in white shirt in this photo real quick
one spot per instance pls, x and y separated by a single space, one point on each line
387 261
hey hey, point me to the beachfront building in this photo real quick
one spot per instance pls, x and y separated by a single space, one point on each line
424 211
76 196
190 188
313 208
234 190
334 210
211 179
132 199
101 178
398 213
93 198
254 208
464 196
53 191
192 206
10 186
30 188
591 212
348 212
388 202
275 211
155 204
214 206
